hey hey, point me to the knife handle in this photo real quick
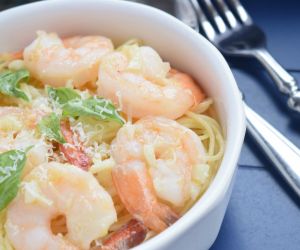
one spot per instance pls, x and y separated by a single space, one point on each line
282 152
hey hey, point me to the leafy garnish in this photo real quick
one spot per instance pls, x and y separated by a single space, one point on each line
62 95
50 127
11 165
94 106
10 83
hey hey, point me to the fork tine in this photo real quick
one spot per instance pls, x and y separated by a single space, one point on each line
241 12
214 14
185 12
228 14
208 29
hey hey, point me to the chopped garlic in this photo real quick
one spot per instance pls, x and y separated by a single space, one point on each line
120 103
69 84
195 191
10 123
200 173
16 65
150 155
100 165
33 194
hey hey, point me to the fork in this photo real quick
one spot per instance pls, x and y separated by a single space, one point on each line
284 155
235 34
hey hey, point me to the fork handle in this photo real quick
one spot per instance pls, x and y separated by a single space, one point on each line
285 82
282 152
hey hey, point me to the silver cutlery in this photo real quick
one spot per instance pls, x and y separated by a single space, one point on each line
185 12
284 155
232 31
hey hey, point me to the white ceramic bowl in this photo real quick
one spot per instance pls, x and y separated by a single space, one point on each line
185 49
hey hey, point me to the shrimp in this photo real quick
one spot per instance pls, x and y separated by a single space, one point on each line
73 152
136 79
154 160
73 60
15 118
130 235
68 191
16 132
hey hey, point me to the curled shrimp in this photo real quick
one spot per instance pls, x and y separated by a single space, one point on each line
154 160
57 62
136 79
65 190
16 132
14 118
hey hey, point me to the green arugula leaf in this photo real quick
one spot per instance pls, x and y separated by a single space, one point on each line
10 83
11 165
62 95
94 106
50 126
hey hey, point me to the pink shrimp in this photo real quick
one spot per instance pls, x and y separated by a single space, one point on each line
136 79
154 160
73 153
75 60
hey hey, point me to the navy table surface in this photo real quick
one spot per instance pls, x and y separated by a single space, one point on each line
263 212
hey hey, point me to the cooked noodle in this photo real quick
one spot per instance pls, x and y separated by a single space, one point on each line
97 136
210 133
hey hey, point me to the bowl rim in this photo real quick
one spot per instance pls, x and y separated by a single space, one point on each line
221 182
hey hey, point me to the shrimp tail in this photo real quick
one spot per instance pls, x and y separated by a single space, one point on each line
134 179
128 236
160 218
73 153
167 215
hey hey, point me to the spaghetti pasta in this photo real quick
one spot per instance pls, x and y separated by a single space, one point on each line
94 136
